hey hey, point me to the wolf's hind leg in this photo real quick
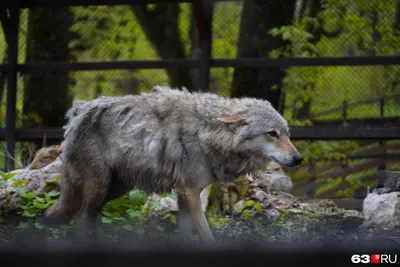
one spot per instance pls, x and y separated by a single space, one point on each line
184 223
69 201
95 188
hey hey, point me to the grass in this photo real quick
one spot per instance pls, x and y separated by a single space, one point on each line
17 157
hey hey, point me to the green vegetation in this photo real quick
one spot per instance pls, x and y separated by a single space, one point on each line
127 213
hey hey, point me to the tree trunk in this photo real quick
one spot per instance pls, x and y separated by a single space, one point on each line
314 6
258 17
195 52
3 79
4 21
395 83
46 95
160 25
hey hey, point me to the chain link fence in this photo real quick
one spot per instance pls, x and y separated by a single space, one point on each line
317 28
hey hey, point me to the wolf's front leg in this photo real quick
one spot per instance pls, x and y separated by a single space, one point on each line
193 202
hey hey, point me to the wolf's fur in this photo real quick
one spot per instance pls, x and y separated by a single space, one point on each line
162 140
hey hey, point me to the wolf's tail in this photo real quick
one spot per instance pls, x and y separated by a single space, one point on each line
76 109
84 114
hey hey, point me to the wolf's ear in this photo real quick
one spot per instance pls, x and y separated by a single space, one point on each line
232 119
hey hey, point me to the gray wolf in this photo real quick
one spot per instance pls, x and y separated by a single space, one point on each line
163 140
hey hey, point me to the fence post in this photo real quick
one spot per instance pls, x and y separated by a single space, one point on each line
382 107
382 144
12 49
312 171
203 11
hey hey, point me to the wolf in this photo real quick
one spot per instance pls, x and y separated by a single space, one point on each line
167 139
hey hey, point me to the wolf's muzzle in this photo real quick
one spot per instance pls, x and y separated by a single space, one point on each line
291 161
297 159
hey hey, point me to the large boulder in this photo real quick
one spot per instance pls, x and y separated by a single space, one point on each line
272 178
382 209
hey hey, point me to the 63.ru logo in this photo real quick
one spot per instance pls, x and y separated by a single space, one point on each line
374 258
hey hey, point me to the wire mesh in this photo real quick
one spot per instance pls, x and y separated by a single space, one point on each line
168 31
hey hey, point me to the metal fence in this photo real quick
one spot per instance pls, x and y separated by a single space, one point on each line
334 63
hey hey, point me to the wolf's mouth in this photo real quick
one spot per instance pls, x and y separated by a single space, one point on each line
292 164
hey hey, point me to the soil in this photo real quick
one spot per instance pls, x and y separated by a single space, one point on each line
288 230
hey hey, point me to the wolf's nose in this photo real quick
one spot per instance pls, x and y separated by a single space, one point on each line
297 159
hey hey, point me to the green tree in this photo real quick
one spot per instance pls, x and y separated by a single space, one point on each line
160 24
46 94
257 18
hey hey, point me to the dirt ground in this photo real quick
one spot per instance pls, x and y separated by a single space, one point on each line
293 229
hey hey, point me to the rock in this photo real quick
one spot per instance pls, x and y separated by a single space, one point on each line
280 183
273 182
260 195
205 193
239 206
165 205
271 214
250 178
168 204
382 209
272 178
273 167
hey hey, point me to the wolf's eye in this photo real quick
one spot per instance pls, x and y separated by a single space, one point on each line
272 134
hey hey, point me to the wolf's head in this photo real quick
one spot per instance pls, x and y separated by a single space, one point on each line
262 131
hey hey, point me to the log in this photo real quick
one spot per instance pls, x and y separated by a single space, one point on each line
41 176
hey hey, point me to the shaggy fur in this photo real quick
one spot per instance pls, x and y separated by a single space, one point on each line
163 140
